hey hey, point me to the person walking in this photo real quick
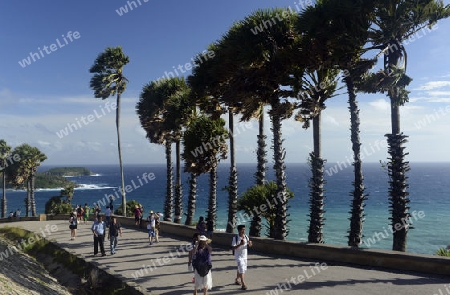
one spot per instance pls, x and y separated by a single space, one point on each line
201 261
239 245
108 216
73 224
137 215
151 222
98 229
115 229
157 226
86 213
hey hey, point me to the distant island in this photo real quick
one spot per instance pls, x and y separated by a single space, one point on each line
55 178
68 171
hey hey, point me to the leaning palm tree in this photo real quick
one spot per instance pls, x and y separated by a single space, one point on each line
205 145
108 80
256 73
353 18
163 108
5 152
316 83
395 21
208 85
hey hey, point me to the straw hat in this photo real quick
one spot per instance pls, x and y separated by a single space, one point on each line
205 239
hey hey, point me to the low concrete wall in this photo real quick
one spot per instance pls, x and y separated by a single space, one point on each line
14 219
320 252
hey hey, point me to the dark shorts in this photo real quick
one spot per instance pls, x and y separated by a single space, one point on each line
73 226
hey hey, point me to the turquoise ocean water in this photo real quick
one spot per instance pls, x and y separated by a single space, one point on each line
428 193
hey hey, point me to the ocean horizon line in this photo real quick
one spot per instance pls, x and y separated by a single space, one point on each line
268 165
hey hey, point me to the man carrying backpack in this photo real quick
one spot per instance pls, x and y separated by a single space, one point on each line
239 246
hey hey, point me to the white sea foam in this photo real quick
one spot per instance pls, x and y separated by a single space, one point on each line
83 186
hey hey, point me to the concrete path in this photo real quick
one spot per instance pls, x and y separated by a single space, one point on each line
161 269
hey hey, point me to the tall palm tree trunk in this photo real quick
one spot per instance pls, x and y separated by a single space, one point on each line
280 199
357 208
28 199
212 203
32 196
261 152
397 166
124 199
4 201
192 199
168 205
260 175
255 226
232 180
316 184
178 188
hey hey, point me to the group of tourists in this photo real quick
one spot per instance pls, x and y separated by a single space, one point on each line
199 261
200 257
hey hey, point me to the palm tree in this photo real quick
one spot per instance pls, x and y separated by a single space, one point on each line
108 80
163 109
5 152
209 85
254 76
317 83
205 145
347 24
395 21
24 172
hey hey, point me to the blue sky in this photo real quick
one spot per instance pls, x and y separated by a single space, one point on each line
42 98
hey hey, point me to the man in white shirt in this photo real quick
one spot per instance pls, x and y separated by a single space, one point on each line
98 229
239 245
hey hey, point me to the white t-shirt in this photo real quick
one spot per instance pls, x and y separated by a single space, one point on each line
241 251
151 223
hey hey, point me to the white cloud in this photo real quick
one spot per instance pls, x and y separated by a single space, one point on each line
330 119
381 105
438 93
433 85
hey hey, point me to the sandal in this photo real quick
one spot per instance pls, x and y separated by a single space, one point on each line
237 282
244 287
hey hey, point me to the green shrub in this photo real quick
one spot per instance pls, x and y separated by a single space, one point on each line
443 252
130 208
55 205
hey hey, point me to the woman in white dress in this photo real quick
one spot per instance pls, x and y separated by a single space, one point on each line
202 255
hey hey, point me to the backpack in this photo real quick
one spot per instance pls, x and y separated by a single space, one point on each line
202 262
235 238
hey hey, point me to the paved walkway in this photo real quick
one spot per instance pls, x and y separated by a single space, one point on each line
161 269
